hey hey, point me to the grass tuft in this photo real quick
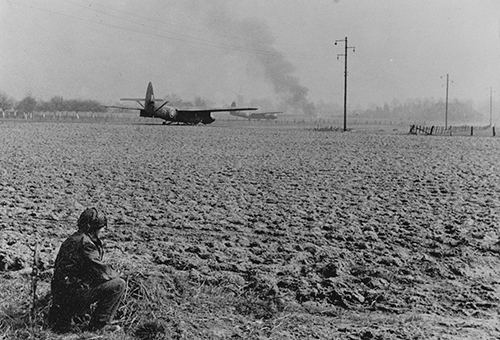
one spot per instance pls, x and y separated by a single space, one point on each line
151 330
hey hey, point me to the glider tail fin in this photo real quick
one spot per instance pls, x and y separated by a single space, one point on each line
149 102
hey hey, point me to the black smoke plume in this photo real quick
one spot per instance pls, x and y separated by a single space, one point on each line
253 38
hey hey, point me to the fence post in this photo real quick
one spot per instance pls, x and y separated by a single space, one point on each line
472 131
493 131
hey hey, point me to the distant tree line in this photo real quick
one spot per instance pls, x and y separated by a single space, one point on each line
423 109
59 104
428 109
55 104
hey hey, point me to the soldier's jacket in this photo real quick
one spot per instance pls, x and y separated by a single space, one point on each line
79 265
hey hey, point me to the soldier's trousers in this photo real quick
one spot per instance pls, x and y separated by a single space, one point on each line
107 295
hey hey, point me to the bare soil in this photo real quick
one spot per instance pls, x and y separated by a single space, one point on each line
260 230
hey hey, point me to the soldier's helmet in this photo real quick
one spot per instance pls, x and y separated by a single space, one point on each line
91 220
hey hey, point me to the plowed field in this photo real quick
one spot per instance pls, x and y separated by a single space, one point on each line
262 231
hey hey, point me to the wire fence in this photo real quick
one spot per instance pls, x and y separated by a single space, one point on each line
462 130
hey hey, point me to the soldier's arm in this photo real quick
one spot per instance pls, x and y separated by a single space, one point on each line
98 270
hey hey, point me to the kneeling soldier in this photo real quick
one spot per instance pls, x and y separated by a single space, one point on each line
81 278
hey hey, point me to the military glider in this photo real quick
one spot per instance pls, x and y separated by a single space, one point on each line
254 115
158 108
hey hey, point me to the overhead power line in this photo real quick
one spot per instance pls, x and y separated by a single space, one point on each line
177 34
149 19
173 35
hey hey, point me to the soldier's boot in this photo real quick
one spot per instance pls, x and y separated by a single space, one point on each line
108 296
59 318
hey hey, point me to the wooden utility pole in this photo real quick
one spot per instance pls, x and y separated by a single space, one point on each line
446 105
491 106
346 47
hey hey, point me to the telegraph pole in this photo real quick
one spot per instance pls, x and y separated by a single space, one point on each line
491 105
446 105
345 75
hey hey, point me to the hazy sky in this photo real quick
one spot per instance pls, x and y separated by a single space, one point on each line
105 50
